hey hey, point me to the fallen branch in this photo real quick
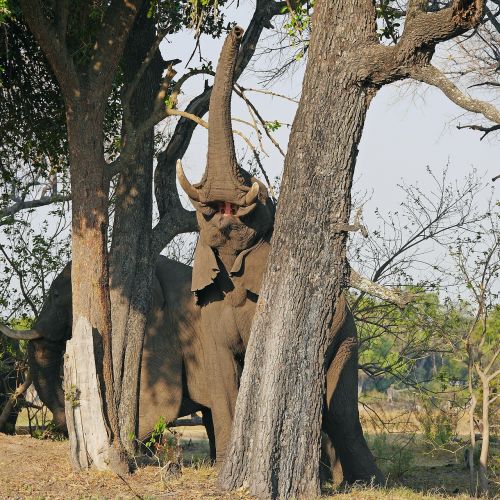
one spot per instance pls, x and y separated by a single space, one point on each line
7 409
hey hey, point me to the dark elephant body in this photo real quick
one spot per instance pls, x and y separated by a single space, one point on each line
228 304
173 381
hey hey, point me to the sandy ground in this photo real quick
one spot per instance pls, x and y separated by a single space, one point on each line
35 468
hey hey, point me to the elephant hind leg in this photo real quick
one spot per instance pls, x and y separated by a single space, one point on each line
342 417
209 427
330 468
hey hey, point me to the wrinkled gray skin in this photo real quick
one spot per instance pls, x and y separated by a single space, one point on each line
172 372
235 225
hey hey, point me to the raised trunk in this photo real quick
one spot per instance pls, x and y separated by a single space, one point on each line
90 413
275 447
222 178
132 259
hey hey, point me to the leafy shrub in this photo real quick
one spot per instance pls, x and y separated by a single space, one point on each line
393 454
438 422
163 444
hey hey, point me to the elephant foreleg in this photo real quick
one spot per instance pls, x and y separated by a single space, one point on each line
223 378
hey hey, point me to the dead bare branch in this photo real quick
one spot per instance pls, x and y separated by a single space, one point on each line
393 295
26 204
481 128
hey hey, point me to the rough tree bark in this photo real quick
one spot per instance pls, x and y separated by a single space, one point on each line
276 433
132 260
90 405
276 441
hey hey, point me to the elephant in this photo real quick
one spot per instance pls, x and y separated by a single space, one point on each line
235 215
172 383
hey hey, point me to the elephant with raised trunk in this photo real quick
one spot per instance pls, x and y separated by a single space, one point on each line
235 216
173 382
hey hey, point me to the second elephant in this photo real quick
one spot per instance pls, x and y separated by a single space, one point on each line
173 381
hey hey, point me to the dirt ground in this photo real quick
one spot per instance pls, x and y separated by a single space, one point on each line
35 468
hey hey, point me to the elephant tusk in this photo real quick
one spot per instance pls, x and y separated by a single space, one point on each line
242 211
20 334
189 189
251 196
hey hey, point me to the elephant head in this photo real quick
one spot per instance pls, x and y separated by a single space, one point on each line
233 208
47 344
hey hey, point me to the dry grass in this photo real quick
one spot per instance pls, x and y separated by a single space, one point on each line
33 468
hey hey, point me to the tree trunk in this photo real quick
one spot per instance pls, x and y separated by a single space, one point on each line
485 445
472 431
132 259
90 412
275 447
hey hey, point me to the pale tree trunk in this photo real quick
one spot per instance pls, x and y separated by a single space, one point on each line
485 444
276 435
88 377
472 431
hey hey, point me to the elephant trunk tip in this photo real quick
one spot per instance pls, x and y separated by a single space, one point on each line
238 32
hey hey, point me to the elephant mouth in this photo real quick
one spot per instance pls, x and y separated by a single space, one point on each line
225 208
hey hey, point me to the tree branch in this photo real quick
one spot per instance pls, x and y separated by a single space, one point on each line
110 42
379 64
4 416
62 13
52 44
20 276
25 204
129 91
253 109
432 76
395 296
356 226
486 130
424 28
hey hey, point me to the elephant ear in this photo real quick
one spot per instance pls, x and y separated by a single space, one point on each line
205 267
248 269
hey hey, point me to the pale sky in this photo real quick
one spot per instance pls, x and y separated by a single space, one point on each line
409 126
